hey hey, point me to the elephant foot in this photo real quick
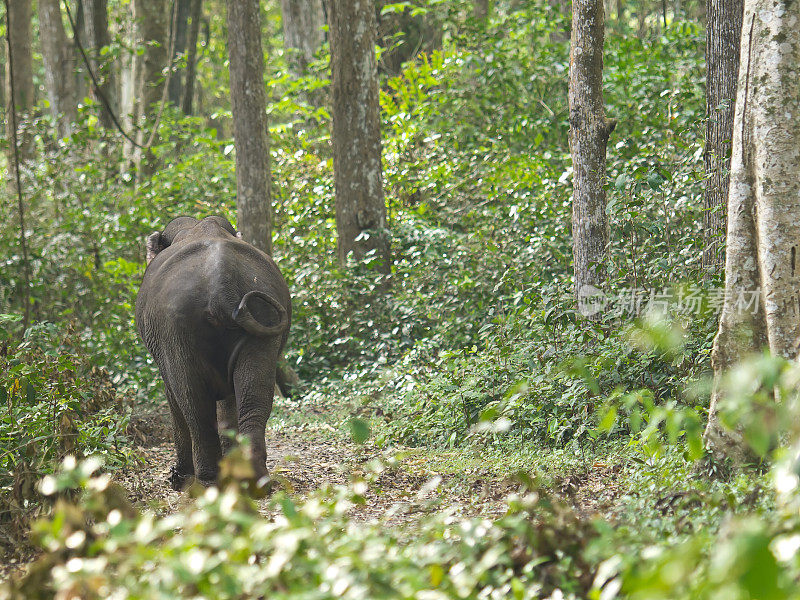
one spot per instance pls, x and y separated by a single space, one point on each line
177 479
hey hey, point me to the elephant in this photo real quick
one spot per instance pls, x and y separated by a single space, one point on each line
214 312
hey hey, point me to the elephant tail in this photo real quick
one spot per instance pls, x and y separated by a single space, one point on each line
260 315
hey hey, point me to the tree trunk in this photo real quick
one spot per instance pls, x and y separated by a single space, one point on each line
19 92
151 26
588 136
96 38
59 66
404 34
358 177
302 31
763 212
480 9
180 45
191 58
129 101
78 33
199 98
641 17
249 108
21 51
723 32
4 66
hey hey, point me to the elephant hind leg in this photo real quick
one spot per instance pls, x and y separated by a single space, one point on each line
227 420
183 469
196 403
206 449
254 385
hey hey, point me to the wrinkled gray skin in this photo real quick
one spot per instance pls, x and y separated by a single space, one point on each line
214 312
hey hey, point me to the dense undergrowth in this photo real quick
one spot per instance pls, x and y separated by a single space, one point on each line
471 343
55 404
221 546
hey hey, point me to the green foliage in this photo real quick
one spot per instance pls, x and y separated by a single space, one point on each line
471 342
550 392
54 404
753 555
221 546
477 176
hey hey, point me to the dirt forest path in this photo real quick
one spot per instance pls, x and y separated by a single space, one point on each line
302 460
309 453
301 463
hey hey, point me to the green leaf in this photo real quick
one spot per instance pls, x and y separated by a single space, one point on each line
654 180
489 414
758 437
608 420
395 7
359 430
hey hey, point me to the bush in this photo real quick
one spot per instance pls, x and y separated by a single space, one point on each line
221 546
55 405
753 555
542 375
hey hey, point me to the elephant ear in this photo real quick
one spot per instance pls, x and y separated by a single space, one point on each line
155 244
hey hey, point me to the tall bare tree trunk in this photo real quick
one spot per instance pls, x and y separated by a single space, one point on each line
641 18
151 26
18 73
97 37
59 66
129 102
588 136
358 176
763 212
21 50
723 33
249 107
184 9
303 21
480 9
77 35
4 66
199 97
404 33
191 57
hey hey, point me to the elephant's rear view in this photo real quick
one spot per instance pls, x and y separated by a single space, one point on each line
214 312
